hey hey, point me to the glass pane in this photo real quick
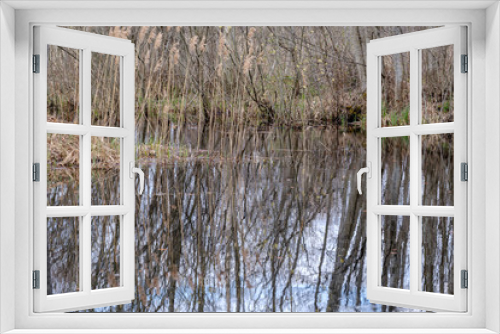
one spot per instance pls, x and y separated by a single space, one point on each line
395 89
395 256
437 254
395 170
105 252
437 169
63 255
63 169
105 171
437 84
105 89
63 84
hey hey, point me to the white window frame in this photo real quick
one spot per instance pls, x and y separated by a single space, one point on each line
86 44
483 102
413 43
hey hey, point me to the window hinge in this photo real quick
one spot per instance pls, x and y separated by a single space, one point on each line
465 279
36 279
465 64
36 172
464 173
36 63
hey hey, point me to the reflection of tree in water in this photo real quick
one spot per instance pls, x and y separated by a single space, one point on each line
62 255
246 219
265 220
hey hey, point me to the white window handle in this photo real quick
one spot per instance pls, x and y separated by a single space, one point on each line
135 170
368 171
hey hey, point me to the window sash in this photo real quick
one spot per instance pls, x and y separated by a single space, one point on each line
413 42
85 297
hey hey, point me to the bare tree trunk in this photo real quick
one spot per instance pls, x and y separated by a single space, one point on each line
356 41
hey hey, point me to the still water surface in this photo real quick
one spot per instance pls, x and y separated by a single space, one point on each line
258 220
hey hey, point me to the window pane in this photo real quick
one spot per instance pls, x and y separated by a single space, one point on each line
105 252
395 171
437 84
63 169
437 254
105 171
395 89
63 84
437 170
395 255
63 255
105 89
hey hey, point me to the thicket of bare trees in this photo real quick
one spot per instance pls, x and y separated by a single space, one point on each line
260 75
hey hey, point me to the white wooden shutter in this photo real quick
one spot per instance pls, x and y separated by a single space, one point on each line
82 295
413 296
